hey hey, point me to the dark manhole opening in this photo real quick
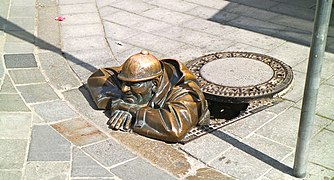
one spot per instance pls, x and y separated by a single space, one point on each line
237 85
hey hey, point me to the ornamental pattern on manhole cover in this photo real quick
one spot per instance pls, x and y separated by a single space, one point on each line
281 78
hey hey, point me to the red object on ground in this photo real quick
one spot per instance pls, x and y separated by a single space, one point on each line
60 18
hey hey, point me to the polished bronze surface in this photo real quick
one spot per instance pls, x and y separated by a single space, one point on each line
160 99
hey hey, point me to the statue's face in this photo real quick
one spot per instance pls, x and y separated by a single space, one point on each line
137 92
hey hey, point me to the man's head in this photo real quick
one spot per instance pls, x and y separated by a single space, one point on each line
141 77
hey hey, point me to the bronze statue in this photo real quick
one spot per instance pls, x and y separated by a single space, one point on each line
156 98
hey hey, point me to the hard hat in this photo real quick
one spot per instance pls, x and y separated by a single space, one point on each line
140 67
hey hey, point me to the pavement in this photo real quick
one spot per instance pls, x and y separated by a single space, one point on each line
50 130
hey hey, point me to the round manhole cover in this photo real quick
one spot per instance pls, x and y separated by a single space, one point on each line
240 76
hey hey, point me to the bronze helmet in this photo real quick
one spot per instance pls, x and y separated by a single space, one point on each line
140 67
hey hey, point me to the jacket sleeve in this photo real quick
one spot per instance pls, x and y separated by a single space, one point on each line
104 86
172 121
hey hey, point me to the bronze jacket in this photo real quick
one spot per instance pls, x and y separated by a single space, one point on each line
178 105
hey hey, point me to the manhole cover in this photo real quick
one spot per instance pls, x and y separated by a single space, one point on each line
238 78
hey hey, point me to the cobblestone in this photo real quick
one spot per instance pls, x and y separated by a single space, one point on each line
20 60
37 93
26 76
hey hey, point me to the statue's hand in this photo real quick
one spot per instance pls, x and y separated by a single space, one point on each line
120 120
131 108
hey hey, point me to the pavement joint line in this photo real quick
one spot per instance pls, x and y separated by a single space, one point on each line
71 161
281 161
96 142
264 137
62 120
126 161
27 147
322 166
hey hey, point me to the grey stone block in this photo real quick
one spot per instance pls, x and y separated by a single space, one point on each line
330 127
92 59
155 43
2 70
30 3
26 76
133 6
47 145
295 11
84 43
280 107
84 166
3 13
203 12
19 37
125 18
109 153
326 70
185 53
62 2
215 140
54 111
212 3
166 15
248 11
251 158
47 3
246 47
19 24
118 46
325 103
15 125
257 3
249 124
12 103
20 60
14 174
77 8
284 128
180 6
297 89
83 71
47 170
293 22
22 12
107 10
86 18
150 25
14 48
118 32
208 27
7 86
82 30
104 3
37 93
140 169
322 149
13 153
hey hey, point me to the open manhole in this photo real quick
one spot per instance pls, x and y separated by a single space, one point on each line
238 84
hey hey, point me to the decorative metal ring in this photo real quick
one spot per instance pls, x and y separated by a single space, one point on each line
281 79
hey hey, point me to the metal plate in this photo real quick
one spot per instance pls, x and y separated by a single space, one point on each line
281 79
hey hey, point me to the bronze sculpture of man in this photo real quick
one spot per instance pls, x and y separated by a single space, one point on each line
160 99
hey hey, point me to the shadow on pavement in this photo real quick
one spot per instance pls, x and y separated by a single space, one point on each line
253 152
30 38
291 20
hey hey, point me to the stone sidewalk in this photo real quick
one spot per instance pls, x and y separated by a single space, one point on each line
48 125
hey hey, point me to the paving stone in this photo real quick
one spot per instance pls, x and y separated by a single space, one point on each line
62 2
254 39
166 15
246 47
59 149
83 71
295 36
185 53
19 24
133 6
280 107
156 152
77 8
19 37
215 140
84 166
284 128
251 158
293 22
47 3
109 153
3 13
7 86
208 27
208 174
37 119
20 60
295 11
139 169
15 125
84 43
13 48
257 3
297 88
54 111
150 25
207 13
13 153
80 132
325 101
21 12
47 170
246 126
255 25
103 3
2 71
91 60
326 70
30 3
125 18
319 172
155 43
26 76
118 46
330 127
212 3
118 32
107 10
58 72
178 5
37 93
248 11
12 103
86 18
122 57
82 30
13 175
322 149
